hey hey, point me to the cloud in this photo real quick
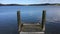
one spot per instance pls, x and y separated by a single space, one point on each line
29 1
54 1
8 1
24 1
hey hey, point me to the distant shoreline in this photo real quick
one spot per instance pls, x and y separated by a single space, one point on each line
30 5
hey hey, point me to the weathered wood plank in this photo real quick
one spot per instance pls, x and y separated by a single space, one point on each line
31 32
31 28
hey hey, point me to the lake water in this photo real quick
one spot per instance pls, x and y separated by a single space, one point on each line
29 14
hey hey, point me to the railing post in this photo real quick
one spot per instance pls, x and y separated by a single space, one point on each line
19 21
43 20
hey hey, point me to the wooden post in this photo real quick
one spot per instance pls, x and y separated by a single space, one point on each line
43 20
19 21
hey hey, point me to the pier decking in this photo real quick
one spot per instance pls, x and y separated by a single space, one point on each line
31 32
31 28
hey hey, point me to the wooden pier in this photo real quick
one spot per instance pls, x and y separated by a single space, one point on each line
31 28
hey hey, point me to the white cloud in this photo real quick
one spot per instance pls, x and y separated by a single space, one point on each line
54 1
24 1
29 1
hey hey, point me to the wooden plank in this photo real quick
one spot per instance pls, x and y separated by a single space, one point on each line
31 24
31 28
31 32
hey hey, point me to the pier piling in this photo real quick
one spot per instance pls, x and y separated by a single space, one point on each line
19 21
43 20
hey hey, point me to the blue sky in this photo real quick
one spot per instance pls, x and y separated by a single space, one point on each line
28 1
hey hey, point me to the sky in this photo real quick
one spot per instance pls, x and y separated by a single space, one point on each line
28 1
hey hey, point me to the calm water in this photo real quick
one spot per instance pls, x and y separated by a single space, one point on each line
29 14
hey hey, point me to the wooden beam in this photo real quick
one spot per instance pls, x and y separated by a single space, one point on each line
19 21
43 20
